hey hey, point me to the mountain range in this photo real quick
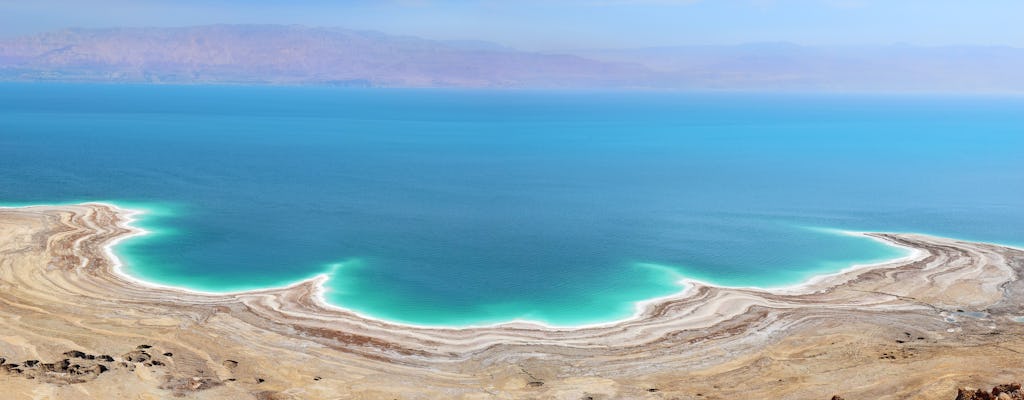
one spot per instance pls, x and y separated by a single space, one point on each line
279 54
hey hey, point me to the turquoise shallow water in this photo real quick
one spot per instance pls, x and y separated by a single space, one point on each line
470 207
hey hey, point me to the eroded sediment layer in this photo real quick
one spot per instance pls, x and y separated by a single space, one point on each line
919 327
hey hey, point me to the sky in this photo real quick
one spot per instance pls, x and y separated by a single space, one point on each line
568 24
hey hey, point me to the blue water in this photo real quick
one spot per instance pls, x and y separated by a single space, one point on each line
471 207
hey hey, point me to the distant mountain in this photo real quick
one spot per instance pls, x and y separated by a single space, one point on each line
293 54
789 66
277 54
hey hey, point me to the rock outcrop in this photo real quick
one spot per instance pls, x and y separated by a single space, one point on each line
81 367
1010 391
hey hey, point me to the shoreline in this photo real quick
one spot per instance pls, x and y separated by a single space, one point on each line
640 307
912 329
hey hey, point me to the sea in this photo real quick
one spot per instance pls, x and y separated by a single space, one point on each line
443 207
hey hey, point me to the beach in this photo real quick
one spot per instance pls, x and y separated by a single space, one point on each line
917 327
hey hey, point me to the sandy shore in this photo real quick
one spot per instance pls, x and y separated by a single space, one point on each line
913 328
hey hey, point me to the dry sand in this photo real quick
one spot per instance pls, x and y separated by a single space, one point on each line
917 328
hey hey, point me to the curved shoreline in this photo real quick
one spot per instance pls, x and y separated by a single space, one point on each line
320 280
59 288
814 284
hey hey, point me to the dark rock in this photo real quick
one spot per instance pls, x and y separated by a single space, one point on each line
260 380
168 354
1010 391
105 358
96 369
535 384
969 394
157 363
137 356
74 354
143 347
230 364
1009 388
31 363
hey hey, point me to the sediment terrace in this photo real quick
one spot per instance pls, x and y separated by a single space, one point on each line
916 328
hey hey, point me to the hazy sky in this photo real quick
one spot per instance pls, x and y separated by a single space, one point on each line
554 24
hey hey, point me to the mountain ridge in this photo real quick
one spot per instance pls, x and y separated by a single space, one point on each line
284 54
295 54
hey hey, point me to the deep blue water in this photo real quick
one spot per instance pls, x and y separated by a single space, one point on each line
462 207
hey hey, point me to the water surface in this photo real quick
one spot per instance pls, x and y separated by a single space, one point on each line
470 207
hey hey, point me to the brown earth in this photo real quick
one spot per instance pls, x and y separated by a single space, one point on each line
913 329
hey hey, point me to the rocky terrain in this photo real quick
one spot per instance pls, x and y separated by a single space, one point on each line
1011 391
944 318
79 367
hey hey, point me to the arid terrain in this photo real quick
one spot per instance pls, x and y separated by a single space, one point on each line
919 328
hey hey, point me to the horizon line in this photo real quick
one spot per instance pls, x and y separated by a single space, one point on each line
512 47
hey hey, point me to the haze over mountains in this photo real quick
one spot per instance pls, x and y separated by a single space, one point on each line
278 54
289 54
774 66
